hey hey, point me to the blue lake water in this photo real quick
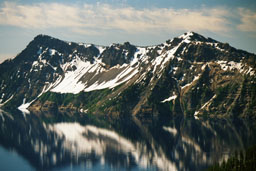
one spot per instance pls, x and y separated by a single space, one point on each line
65 142
10 160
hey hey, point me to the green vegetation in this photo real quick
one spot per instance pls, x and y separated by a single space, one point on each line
84 99
238 162
223 92
164 88
89 100
125 101
171 106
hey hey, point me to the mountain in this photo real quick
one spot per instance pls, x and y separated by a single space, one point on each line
190 75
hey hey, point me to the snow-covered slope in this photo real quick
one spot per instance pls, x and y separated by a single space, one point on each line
162 74
88 77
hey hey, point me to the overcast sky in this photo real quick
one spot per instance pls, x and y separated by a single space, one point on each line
141 22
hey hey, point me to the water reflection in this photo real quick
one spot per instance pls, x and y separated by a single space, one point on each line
121 144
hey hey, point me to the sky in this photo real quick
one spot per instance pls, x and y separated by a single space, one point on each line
141 22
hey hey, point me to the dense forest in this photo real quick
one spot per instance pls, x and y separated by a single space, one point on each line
238 162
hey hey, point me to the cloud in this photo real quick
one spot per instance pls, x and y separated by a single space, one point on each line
100 18
248 20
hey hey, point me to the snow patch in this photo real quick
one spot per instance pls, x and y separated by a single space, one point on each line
101 49
231 65
140 51
23 107
196 113
72 79
195 79
206 104
52 52
186 37
164 58
169 99
71 82
124 76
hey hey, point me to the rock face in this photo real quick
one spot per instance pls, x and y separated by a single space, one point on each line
190 75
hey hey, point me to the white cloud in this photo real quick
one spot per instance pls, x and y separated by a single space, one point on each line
95 19
248 20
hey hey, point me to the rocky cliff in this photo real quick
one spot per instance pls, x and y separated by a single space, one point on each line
188 75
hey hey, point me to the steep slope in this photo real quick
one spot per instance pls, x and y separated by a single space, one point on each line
190 75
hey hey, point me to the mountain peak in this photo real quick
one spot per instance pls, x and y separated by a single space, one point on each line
43 36
187 35
188 75
193 36
43 39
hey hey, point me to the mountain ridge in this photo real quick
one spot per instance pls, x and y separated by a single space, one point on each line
185 75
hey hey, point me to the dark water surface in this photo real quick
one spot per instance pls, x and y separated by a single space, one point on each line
33 142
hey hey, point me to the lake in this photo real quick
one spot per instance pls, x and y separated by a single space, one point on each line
65 142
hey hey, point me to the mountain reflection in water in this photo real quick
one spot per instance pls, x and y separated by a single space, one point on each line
121 144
